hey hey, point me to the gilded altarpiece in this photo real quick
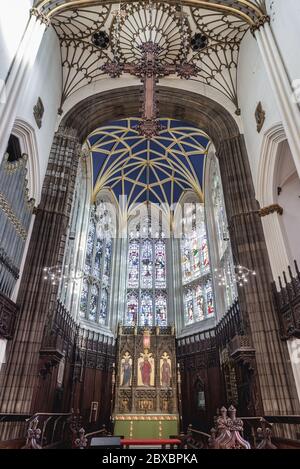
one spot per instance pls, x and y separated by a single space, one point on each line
146 385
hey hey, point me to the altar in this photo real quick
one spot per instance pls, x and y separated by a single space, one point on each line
146 393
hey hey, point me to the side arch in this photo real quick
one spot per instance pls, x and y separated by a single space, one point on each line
27 138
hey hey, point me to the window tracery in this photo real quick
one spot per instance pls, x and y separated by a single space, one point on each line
97 272
146 279
196 274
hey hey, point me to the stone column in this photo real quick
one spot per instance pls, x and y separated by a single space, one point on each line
280 83
276 381
19 74
37 297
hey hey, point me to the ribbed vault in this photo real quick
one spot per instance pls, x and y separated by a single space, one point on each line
220 25
156 170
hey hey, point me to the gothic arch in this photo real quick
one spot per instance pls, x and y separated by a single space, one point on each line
246 231
27 138
248 243
267 166
203 112
273 148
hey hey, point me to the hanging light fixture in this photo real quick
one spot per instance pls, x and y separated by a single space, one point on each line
239 274
56 274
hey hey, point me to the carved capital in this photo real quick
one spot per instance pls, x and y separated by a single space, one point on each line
40 16
260 23
275 208
85 153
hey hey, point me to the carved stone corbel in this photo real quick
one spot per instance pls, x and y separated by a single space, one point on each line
275 208
260 116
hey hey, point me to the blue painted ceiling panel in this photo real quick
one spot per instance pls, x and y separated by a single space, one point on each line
156 170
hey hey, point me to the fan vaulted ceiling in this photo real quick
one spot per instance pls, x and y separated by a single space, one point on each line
224 23
156 170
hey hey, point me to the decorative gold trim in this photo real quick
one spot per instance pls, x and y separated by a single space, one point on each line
5 206
245 9
260 23
275 208
152 418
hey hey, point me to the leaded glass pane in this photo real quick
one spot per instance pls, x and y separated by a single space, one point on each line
97 266
84 298
146 317
160 264
204 257
186 261
161 310
98 256
107 262
209 299
93 303
103 307
133 264
189 307
147 264
195 266
199 304
132 309
90 246
147 276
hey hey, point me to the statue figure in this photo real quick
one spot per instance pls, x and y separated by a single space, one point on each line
146 370
165 373
126 368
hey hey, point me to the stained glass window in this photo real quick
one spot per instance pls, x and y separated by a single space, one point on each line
189 307
103 306
196 274
147 264
209 298
224 260
200 304
96 282
133 264
147 277
160 264
161 309
186 261
93 303
219 214
84 298
146 318
132 309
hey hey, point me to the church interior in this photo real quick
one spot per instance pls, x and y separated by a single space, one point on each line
149 223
